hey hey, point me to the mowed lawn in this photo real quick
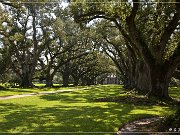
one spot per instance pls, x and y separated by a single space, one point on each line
38 89
75 111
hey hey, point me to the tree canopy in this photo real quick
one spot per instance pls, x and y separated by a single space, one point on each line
87 39
150 30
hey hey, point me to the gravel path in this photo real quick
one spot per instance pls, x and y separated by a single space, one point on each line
35 94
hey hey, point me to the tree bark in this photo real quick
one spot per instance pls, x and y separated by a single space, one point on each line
26 76
49 82
65 80
26 80
160 79
66 74
142 78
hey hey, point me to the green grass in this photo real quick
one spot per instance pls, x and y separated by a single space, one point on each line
19 91
74 111
175 92
42 84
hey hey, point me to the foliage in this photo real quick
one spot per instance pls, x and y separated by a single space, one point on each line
175 82
141 38
25 36
150 31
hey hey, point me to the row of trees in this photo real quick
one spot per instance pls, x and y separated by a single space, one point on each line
140 37
149 49
38 40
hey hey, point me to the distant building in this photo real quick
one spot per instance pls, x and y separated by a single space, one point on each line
111 79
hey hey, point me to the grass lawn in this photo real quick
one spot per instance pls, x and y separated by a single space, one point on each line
175 92
19 91
74 111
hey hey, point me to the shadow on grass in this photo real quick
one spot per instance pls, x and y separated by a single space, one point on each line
62 118
73 111
20 91
2 88
85 95
138 100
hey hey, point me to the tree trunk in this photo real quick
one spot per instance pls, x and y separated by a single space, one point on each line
129 80
142 77
83 81
26 76
91 81
26 80
76 81
65 79
49 76
49 82
159 88
66 74
160 79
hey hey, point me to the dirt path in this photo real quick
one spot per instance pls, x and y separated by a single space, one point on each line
146 126
39 93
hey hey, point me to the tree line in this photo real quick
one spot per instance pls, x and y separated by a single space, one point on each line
40 40
139 38
150 34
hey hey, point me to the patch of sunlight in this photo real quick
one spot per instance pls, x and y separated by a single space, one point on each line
174 92
72 112
153 110
18 129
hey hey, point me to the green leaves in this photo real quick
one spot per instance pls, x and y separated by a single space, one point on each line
16 37
59 28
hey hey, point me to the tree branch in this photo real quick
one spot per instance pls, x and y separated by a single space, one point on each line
168 31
